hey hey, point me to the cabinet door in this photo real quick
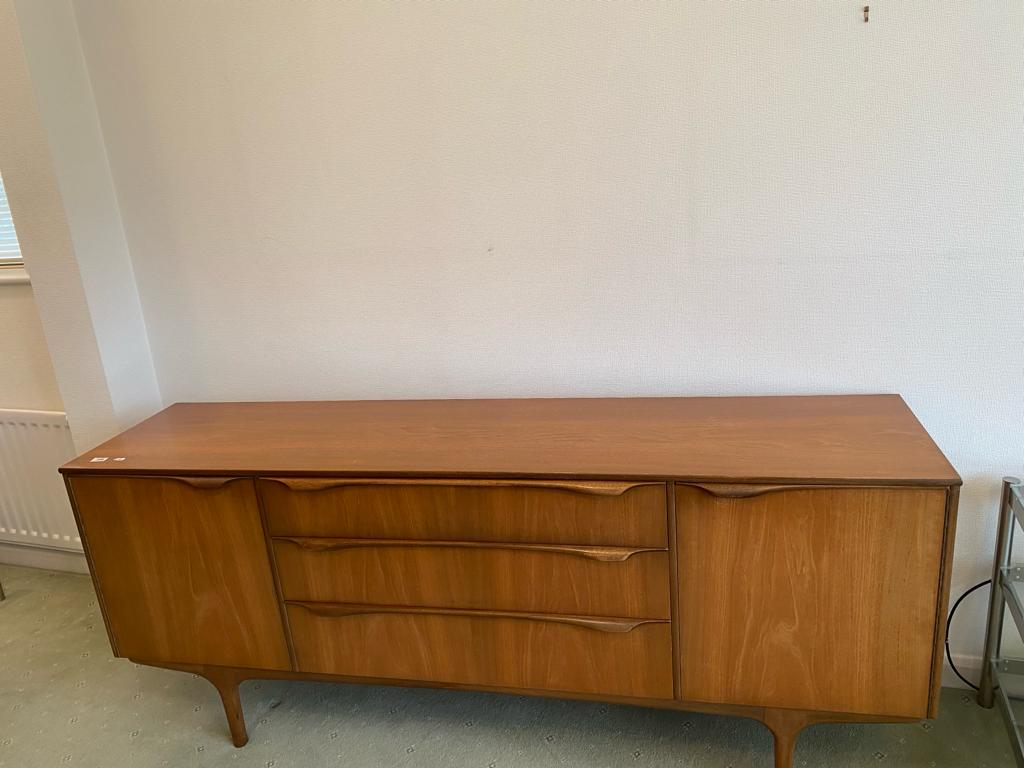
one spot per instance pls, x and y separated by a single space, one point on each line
182 570
818 599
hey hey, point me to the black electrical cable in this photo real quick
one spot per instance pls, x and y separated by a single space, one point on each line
949 621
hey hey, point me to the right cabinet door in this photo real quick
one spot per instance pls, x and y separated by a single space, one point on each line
819 598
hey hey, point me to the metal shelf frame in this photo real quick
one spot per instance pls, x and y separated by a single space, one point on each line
1007 593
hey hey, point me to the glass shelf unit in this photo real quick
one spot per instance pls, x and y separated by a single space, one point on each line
1008 678
1002 678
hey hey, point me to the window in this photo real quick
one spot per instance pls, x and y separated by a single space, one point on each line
10 253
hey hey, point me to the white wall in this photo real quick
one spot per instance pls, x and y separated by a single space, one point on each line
26 373
67 109
39 218
338 200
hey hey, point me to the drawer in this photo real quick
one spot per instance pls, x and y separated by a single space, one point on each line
615 657
547 512
550 578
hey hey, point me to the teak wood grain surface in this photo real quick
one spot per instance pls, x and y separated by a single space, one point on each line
623 514
182 572
592 581
849 438
812 599
507 651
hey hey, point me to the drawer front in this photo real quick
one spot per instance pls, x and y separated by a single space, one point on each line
549 578
520 651
548 512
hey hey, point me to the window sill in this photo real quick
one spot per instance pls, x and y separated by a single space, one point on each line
13 276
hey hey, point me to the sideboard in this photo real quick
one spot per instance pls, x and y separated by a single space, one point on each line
780 558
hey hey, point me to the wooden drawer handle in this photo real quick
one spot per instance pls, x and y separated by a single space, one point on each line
749 491
603 554
205 483
600 624
591 487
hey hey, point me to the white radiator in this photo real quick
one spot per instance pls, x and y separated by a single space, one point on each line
34 506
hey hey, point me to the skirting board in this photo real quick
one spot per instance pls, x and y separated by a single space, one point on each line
38 557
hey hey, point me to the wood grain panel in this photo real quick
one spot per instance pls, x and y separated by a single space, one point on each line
852 438
569 579
945 577
819 599
183 571
463 511
502 650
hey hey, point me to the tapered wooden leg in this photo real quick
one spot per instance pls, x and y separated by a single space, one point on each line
785 725
226 684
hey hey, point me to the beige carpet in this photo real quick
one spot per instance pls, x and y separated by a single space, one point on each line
64 701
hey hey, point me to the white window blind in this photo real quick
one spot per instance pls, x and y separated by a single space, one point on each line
10 253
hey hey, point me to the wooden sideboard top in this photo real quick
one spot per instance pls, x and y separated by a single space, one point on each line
848 438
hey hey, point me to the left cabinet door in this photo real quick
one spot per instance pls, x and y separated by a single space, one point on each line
182 570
